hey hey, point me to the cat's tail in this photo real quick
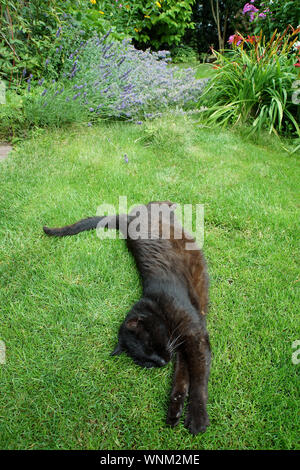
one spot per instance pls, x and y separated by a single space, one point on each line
84 224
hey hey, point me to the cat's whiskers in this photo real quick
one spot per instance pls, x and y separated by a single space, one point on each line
174 344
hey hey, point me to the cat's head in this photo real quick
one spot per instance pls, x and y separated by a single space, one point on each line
144 336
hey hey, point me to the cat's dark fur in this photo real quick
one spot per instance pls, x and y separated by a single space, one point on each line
171 315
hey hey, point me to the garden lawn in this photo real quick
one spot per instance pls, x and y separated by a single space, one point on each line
62 300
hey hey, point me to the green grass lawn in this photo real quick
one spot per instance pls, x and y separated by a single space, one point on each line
62 300
202 70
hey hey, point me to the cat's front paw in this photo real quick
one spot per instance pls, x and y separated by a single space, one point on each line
175 410
196 421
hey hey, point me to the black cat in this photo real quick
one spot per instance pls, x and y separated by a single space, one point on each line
171 315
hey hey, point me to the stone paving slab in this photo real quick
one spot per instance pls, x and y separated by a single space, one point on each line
4 150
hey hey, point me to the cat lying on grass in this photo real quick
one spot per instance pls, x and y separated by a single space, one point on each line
170 318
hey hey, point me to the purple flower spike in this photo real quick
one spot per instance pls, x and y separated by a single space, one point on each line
125 158
121 61
58 32
44 92
107 34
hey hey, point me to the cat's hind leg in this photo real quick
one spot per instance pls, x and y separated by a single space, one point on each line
180 390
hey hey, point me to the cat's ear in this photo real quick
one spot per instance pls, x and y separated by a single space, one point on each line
118 350
132 323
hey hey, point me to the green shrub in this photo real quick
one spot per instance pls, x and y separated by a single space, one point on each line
148 22
254 84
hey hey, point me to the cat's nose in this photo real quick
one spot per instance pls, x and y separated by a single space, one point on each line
162 362
158 361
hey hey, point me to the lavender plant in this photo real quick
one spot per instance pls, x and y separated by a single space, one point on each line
107 79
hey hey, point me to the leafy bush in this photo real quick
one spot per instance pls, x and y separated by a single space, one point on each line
27 30
254 84
151 23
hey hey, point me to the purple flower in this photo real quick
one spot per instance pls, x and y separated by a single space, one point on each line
47 62
91 110
24 72
249 8
89 124
44 92
58 32
125 158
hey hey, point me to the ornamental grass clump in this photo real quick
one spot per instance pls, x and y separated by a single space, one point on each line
106 79
255 84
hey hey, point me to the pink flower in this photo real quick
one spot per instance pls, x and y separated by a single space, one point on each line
235 39
249 8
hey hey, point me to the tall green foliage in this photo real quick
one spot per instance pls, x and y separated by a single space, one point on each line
254 84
